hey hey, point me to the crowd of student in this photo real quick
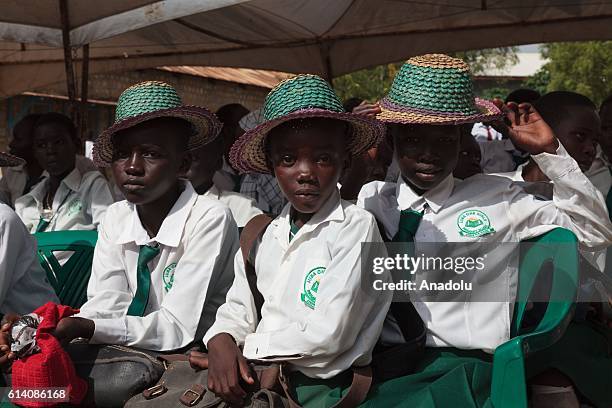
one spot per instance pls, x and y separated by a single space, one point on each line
167 271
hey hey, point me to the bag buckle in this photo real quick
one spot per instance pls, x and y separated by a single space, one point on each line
190 397
154 391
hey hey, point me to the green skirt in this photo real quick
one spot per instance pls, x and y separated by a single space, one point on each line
462 378
445 377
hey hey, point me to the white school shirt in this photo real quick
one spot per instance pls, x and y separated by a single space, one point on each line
242 208
496 156
322 331
189 278
23 283
14 179
514 216
79 202
599 173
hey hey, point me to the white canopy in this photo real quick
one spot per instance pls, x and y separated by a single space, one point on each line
329 37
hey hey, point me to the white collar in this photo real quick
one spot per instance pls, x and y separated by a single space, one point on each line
435 198
330 211
213 192
171 230
72 181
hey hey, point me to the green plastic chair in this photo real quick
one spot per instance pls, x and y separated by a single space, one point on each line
509 380
70 280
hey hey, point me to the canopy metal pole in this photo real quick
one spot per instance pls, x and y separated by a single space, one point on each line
70 83
84 91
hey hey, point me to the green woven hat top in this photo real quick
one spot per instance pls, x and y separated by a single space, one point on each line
149 100
301 97
146 97
435 89
298 93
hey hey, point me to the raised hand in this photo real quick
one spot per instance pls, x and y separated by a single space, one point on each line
367 109
528 131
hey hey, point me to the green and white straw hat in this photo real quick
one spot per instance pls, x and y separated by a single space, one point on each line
300 97
149 100
435 89
8 160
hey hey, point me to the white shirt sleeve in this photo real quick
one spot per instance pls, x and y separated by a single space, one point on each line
576 204
9 256
237 316
341 299
100 198
175 324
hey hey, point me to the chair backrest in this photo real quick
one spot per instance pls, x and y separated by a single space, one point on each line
557 249
66 257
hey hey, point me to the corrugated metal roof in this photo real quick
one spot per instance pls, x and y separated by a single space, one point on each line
255 77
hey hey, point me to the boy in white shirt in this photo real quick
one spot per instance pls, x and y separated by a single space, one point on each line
205 162
430 97
73 195
163 260
315 313
23 284
19 180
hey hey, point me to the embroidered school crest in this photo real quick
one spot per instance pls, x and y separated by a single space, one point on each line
474 223
75 208
168 276
311 286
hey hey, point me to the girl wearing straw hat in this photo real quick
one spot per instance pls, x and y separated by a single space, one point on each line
315 313
428 100
23 283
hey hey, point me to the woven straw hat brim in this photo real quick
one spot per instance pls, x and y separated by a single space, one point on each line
8 160
206 125
248 155
393 113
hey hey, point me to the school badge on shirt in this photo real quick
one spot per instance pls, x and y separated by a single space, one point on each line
168 276
474 223
311 286
75 207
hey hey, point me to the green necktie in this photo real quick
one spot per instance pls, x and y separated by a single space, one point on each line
408 225
609 198
42 225
143 279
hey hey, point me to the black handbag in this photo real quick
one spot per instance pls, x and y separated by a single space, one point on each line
114 373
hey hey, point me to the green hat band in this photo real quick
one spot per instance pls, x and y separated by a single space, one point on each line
437 89
146 97
299 93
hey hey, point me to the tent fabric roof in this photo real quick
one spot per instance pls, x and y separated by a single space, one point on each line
255 77
319 36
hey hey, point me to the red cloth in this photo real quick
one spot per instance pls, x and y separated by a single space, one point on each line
52 367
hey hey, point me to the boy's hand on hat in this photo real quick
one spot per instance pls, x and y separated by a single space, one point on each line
226 365
367 109
528 130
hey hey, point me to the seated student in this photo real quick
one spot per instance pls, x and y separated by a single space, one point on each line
163 261
74 196
600 172
430 97
23 284
205 161
226 178
315 313
17 181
